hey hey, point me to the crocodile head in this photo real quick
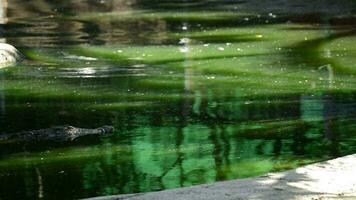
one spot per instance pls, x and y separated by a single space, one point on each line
106 130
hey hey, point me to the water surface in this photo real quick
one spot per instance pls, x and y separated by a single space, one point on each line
198 91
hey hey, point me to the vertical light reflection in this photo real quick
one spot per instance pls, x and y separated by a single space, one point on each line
3 20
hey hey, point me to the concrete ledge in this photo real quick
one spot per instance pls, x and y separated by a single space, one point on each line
333 179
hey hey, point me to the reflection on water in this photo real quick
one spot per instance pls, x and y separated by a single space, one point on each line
198 91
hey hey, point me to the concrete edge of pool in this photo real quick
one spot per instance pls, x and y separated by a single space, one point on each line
333 179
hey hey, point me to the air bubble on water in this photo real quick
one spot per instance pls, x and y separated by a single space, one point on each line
272 15
221 48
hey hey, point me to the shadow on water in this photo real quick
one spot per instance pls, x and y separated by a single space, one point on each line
310 53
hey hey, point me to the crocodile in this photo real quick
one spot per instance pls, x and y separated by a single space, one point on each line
61 133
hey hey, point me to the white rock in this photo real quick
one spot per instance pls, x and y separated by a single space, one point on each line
9 55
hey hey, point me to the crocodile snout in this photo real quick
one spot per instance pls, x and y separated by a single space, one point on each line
107 129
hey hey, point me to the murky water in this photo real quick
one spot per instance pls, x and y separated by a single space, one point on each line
198 91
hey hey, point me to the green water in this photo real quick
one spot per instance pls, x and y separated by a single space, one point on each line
198 91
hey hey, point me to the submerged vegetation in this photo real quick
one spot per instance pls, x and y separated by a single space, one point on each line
196 96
